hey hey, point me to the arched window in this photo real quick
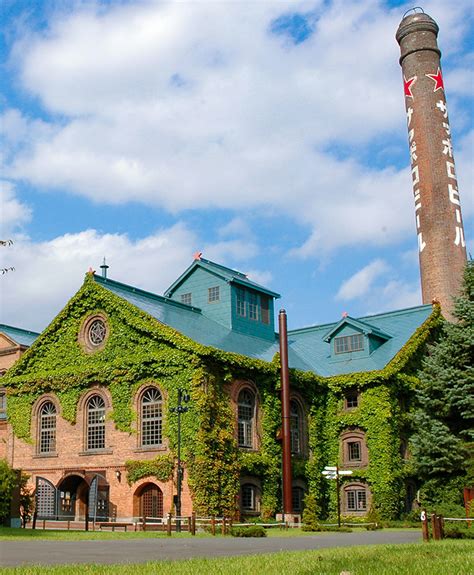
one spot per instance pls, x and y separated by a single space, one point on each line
95 423
151 411
47 428
249 498
246 418
354 448
295 427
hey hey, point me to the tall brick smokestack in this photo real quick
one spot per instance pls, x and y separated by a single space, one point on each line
441 243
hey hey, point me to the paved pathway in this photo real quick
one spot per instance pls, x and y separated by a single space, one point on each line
45 552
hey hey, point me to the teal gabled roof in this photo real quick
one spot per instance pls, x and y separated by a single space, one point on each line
307 349
227 274
359 325
310 342
20 336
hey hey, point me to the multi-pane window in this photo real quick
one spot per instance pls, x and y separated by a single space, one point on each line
295 427
47 428
213 294
95 411
352 399
246 418
356 500
248 497
354 451
3 404
187 298
349 343
240 305
45 498
151 417
265 309
253 305
297 497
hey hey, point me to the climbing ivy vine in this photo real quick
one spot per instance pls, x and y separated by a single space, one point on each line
142 351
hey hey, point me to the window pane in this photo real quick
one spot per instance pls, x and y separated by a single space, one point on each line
248 499
240 293
352 400
349 343
246 410
295 426
3 405
354 450
351 500
253 305
297 496
151 417
265 309
361 500
95 423
186 298
213 294
47 428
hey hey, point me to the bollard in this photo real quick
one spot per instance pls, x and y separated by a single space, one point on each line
193 523
424 526
168 526
435 527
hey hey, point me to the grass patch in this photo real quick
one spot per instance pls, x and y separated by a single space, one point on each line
453 557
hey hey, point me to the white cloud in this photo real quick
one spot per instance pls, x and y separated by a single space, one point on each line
47 274
361 282
197 105
13 213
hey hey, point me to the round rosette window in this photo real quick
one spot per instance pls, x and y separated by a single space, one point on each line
94 333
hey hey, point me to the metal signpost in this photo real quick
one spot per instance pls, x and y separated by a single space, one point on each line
334 473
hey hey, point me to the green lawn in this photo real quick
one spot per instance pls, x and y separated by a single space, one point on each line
440 558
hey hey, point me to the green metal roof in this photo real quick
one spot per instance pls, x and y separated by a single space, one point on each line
18 335
227 274
307 349
358 324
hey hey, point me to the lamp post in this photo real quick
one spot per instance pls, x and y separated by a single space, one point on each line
183 396
335 473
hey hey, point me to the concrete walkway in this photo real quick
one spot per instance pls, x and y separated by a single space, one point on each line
24 552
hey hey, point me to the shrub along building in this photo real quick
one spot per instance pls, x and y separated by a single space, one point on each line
90 403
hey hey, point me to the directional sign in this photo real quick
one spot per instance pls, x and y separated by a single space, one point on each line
345 472
328 468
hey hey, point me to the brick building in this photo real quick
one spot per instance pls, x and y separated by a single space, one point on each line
90 405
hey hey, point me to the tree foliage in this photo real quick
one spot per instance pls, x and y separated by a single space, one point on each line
442 443
7 485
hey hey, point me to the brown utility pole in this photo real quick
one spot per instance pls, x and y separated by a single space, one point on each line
441 241
285 414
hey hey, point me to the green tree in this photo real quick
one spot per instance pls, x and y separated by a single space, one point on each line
7 485
444 423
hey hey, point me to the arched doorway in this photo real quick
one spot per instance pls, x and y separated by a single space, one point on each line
149 501
80 496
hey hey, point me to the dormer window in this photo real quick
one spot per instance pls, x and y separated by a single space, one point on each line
186 298
349 343
240 302
213 294
265 309
253 306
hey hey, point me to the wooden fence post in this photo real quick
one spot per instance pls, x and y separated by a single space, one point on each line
424 526
435 527
168 526
213 525
223 526
193 523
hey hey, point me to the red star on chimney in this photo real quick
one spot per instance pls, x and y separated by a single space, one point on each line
437 79
407 84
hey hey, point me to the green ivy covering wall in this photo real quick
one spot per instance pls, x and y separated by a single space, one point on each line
140 351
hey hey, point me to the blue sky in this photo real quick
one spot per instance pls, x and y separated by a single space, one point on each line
271 136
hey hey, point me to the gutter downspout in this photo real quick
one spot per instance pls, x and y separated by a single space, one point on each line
285 414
